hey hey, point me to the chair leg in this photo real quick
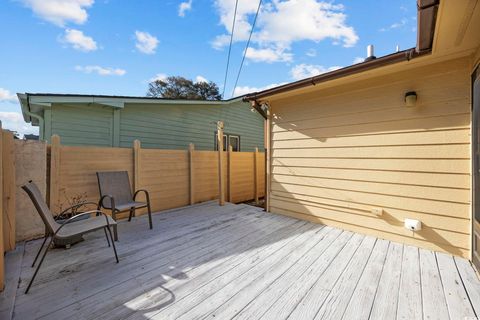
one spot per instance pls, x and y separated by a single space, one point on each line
39 265
149 215
40 250
132 212
106 236
113 242
115 233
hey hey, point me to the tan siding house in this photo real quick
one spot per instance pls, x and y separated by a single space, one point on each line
348 152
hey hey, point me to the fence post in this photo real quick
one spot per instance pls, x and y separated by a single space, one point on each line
2 258
55 154
229 174
255 173
221 193
136 164
8 192
191 150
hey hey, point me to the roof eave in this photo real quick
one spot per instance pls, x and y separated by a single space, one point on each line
427 13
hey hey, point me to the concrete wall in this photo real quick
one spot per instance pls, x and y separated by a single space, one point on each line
30 164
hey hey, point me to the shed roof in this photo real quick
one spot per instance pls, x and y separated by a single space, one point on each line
35 103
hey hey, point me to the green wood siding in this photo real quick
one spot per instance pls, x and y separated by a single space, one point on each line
82 124
156 126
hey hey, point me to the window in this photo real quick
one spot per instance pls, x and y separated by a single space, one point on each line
225 143
234 141
228 140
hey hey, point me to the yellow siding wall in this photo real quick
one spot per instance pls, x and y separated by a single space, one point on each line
340 152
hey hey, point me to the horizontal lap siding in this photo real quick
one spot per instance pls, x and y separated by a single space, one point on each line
176 126
82 124
339 153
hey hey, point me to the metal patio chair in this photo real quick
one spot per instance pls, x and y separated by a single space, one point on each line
72 227
116 196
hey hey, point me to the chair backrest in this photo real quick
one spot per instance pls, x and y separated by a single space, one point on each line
116 184
37 198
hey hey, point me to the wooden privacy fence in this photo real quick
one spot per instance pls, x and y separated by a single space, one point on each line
7 200
174 178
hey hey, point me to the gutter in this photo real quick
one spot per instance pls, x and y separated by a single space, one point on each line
397 57
427 14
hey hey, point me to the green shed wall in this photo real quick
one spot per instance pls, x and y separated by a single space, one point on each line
81 124
155 125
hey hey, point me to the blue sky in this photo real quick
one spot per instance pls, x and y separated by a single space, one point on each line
116 46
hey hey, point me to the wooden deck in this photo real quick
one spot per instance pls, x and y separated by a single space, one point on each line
238 262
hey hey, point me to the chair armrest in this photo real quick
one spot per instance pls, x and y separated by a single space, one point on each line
144 191
112 202
72 219
76 206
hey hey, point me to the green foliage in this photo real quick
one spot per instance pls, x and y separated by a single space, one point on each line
182 88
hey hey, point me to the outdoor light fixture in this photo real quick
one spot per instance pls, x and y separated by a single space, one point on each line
410 99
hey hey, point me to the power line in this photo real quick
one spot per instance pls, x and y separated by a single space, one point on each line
246 47
230 47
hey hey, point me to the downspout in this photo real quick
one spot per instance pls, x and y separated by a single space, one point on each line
41 121
266 141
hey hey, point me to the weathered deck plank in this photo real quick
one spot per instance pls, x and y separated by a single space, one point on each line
207 298
434 304
459 306
258 293
363 297
237 262
410 294
336 302
308 307
386 298
135 278
470 282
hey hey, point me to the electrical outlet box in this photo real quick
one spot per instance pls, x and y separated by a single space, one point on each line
377 211
413 225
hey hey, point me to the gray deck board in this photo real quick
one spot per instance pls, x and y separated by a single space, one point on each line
458 302
238 262
386 298
410 293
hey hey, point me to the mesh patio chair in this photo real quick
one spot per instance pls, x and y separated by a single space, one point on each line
116 196
70 228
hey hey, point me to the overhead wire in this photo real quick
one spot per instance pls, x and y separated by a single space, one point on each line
246 47
230 48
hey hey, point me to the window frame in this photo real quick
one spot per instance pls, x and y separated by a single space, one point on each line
226 141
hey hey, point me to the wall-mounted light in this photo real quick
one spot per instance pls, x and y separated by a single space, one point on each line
410 99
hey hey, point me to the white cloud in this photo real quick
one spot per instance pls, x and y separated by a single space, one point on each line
358 60
79 41
303 70
59 12
240 91
281 23
101 70
268 55
158 76
397 25
7 96
200 79
14 121
184 7
146 43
